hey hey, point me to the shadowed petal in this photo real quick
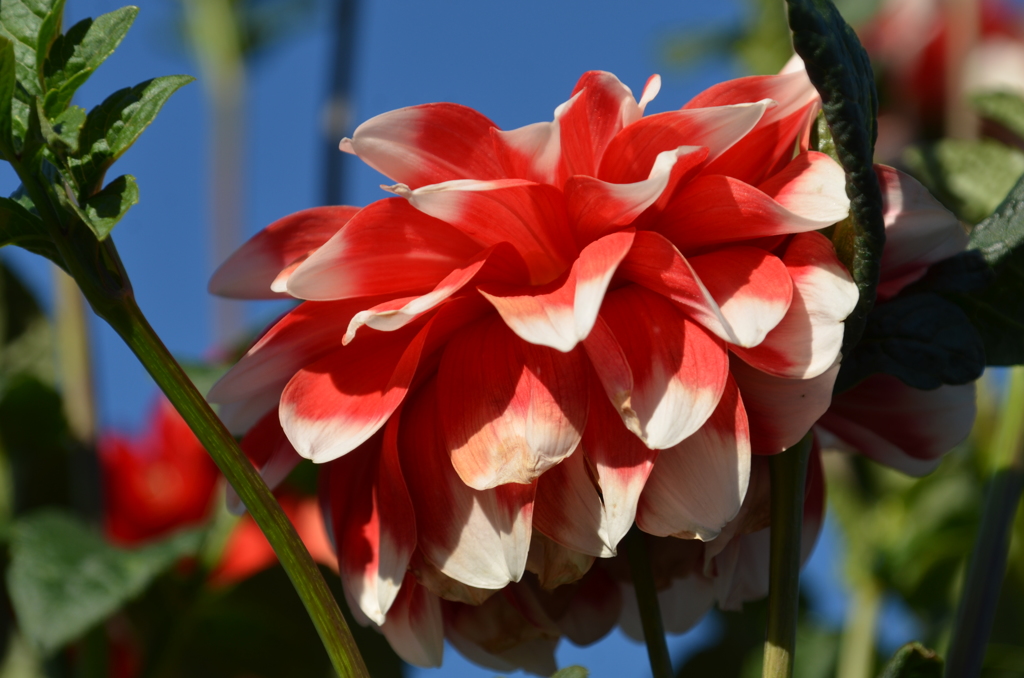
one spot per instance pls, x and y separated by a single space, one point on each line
415 625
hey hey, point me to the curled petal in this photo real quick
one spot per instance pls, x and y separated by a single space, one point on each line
531 217
260 268
554 564
420 251
808 339
561 314
497 635
810 194
698 486
443 586
427 144
480 538
899 426
510 410
781 411
919 231
415 625
679 369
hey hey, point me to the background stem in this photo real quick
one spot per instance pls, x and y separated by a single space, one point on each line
647 600
857 646
988 559
788 474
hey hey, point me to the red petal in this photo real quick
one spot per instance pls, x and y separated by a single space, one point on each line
415 625
808 339
275 251
601 107
697 486
480 538
427 144
510 410
388 248
679 368
269 450
562 313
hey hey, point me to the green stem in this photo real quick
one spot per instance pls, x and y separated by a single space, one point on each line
647 600
788 472
988 560
857 647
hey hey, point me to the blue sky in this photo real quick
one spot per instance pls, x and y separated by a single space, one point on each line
515 62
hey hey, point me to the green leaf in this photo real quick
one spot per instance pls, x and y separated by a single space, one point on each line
923 339
64 578
112 127
913 660
107 207
21 22
571 672
970 177
997 311
7 82
1003 108
79 52
49 30
840 70
20 227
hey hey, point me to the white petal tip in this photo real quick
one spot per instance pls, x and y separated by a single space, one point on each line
346 146
401 190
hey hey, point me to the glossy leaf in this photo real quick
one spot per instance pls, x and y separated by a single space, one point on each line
79 52
49 31
922 339
7 83
840 70
112 127
970 177
913 660
22 22
64 578
107 207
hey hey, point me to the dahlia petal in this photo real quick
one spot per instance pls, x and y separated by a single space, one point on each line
781 411
252 271
509 412
808 339
899 426
919 231
500 261
698 486
420 251
741 570
241 415
534 152
683 604
753 289
268 448
593 611
531 217
613 371
415 626
588 502
443 586
554 564
373 522
600 108
496 635
679 368
715 209
306 333
598 207
561 314
427 144
632 153
481 538
333 405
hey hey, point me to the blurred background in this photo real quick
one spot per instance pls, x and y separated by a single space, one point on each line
255 138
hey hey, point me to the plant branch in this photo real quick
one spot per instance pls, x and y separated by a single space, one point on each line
788 474
987 567
647 600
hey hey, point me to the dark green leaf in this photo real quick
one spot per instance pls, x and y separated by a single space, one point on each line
841 72
113 126
64 578
970 177
7 82
20 227
35 438
21 21
964 272
79 52
571 672
65 129
1003 232
107 207
913 660
1004 108
49 30
26 339
923 339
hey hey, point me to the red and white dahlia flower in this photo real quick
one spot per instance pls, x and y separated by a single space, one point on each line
558 330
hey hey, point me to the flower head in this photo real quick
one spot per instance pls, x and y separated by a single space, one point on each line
559 330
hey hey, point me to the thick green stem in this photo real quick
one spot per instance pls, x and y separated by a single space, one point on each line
988 560
857 647
647 600
788 472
